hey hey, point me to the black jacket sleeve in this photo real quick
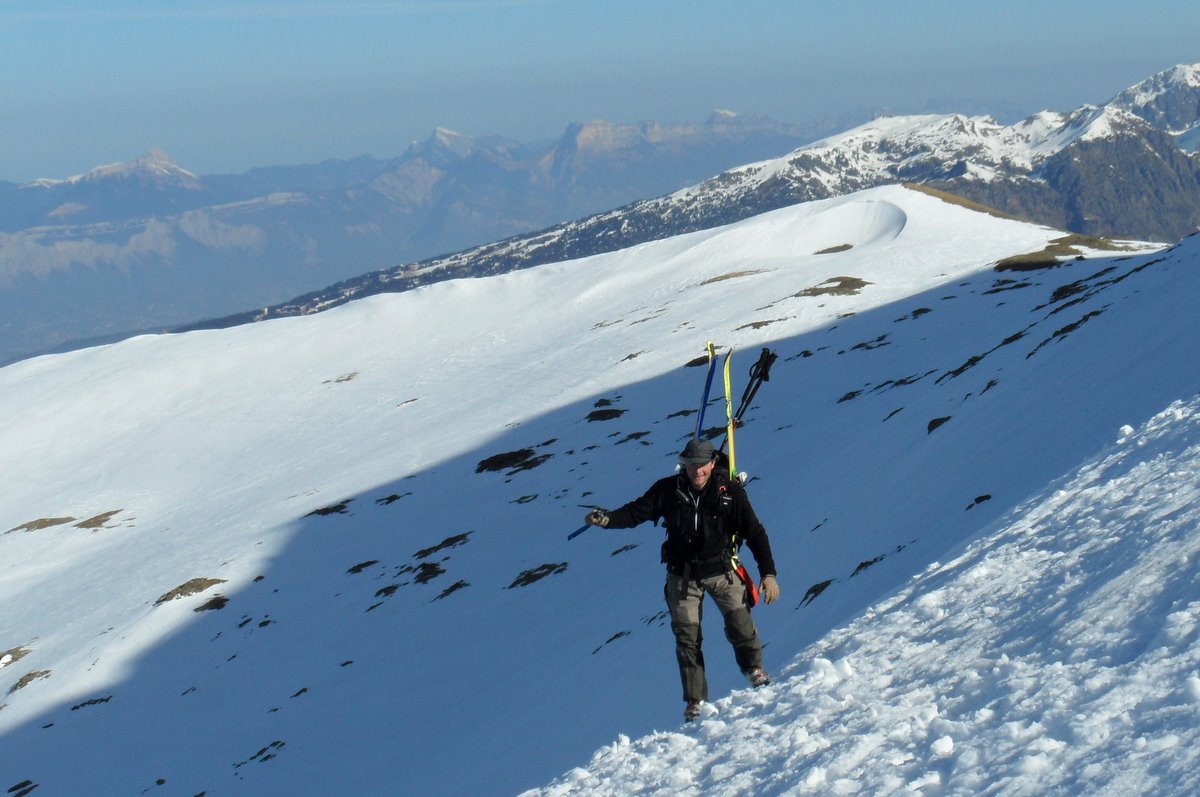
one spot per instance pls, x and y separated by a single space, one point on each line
751 530
648 507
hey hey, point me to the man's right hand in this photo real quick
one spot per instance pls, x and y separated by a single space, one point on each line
597 517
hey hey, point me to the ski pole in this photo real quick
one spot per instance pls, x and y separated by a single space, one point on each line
578 531
759 372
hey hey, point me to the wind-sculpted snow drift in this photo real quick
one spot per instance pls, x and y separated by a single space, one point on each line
338 558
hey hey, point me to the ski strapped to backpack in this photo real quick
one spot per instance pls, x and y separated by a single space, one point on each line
730 418
759 372
712 367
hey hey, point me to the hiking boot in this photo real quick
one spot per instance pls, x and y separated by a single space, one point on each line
758 677
691 711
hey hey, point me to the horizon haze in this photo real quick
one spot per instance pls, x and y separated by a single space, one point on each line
225 87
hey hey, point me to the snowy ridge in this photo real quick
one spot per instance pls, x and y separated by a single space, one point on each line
1169 100
1058 653
155 164
976 157
891 148
1144 96
333 547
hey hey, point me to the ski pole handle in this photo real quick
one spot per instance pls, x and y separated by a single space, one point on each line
578 531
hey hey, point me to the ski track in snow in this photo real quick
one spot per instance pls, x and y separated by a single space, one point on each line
1059 654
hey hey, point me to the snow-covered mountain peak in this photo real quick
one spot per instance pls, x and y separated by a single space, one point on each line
443 146
1170 99
156 165
722 118
1108 122
452 139
1179 77
921 148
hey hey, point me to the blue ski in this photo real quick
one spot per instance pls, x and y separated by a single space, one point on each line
712 368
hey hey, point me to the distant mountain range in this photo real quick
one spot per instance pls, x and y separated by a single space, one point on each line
149 244
1128 169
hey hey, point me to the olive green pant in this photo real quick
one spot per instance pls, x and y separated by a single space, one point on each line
685 599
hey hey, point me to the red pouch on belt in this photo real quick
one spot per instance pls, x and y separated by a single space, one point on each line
751 588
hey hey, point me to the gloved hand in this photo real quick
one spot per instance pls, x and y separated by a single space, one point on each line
769 589
597 517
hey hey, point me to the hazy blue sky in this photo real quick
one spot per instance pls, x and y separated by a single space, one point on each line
224 85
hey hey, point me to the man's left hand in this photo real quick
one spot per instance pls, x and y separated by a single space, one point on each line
769 588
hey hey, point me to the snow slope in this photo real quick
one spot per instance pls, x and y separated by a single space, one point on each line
384 491
1057 654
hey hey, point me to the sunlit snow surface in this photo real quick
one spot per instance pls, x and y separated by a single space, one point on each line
386 611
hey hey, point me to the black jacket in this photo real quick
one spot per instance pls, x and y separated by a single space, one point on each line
700 528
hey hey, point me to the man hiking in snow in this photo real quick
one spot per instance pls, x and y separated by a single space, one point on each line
706 516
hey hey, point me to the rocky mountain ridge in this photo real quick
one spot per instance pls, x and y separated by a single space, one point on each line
148 244
1098 171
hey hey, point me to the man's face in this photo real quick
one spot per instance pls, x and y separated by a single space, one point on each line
698 473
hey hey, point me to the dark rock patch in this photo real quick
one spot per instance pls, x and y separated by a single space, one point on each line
41 523
28 678
935 423
428 571
814 591
834 286
759 324
604 415
333 509
96 701
1063 332
866 564
98 521
732 275
215 602
450 590
187 588
536 574
979 499
512 461
449 542
611 639
263 755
